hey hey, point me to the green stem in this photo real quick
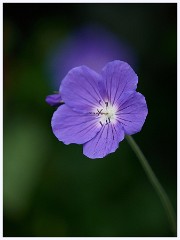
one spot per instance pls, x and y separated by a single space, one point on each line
155 182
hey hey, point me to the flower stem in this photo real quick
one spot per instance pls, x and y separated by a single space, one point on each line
155 182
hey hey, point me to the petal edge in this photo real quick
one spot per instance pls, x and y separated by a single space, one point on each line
73 127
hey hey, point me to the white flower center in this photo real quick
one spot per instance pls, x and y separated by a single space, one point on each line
106 113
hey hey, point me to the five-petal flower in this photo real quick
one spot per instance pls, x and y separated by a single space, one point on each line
99 109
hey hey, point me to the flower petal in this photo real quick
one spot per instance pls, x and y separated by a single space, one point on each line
73 127
54 99
132 112
119 77
79 89
106 141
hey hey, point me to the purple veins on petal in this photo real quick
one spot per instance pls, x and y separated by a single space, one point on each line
106 141
79 89
54 99
118 78
132 112
74 127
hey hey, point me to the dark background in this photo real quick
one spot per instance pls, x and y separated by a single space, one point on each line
51 189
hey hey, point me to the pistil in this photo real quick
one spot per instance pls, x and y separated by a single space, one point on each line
106 114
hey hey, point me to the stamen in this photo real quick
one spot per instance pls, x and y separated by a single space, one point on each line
99 112
101 123
106 114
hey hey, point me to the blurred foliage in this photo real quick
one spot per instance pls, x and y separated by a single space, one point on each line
51 189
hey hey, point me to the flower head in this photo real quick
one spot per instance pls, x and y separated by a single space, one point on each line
99 109
91 45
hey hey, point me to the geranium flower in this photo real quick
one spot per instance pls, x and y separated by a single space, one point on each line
99 109
90 45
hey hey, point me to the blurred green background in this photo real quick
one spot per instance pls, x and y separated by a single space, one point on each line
51 189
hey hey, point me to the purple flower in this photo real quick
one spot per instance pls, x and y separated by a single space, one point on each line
99 109
54 99
91 45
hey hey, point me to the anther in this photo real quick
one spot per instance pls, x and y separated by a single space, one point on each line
99 112
101 123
